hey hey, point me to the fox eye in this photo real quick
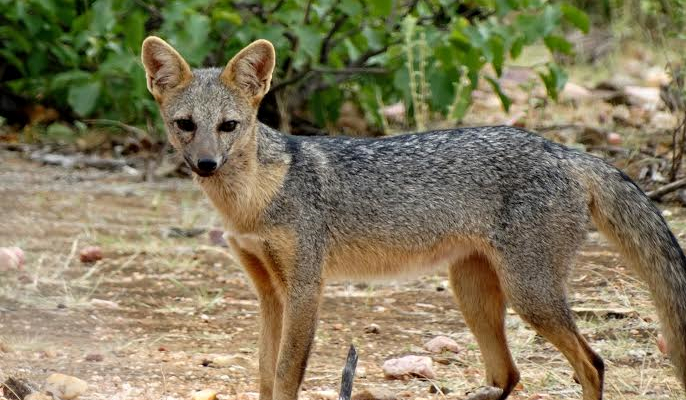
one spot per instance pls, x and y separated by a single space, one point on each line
228 126
185 124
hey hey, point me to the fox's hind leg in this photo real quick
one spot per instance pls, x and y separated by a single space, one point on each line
482 302
537 294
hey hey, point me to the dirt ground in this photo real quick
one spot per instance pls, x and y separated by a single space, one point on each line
172 303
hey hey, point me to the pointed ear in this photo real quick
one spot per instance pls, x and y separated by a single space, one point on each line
165 69
250 71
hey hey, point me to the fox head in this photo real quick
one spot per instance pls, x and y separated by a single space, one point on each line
210 114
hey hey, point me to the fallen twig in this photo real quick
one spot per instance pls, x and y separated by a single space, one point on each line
138 132
348 375
80 161
16 389
668 188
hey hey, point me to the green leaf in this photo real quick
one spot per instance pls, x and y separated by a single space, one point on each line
497 49
504 98
228 16
517 47
103 16
442 89
550 19
83 98
351 7
558 43
133 28
554 79
309 40
37 62
326 105
48 6
58 130
11 58
576 17
380 8
66 79
463 99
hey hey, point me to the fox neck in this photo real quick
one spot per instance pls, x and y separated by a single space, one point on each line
246 184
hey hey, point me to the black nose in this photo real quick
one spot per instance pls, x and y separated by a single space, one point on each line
207 165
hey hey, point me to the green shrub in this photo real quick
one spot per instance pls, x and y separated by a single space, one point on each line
83 56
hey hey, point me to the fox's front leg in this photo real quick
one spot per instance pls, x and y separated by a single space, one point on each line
301 305
271 315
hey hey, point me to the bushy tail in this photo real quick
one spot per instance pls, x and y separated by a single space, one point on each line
627 217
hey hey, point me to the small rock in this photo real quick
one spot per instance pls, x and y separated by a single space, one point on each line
614 138
217 237
408 366
518 120
440 344
323 395
433 389
664 121
574 92
47 353
11 258
372 328
104 304
656 76
207 394
223 361
65 387
648 97
94 357
90 254
247 396
374 394
485 393
394 112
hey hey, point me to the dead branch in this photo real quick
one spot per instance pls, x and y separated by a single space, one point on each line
138 132
348 375
668 188
79 161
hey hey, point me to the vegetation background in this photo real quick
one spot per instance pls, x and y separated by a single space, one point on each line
82 57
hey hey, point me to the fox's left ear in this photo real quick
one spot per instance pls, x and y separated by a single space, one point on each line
250 71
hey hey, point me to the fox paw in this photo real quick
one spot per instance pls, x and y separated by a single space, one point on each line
485 393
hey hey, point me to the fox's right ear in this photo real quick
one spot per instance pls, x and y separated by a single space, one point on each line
165 69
